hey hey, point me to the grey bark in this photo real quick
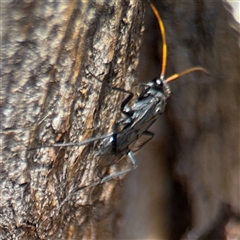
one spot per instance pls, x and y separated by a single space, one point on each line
60 60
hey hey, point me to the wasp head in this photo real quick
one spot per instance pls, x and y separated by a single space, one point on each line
161 85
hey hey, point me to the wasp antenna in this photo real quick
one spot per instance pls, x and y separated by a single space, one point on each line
164 42
177 75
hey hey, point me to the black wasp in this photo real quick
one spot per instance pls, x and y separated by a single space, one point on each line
149 105
138 117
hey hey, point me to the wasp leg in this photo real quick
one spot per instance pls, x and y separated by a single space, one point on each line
118 174
72 144
131 158
103 180
125 102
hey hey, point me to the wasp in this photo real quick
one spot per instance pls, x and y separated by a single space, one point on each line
146 109
139 115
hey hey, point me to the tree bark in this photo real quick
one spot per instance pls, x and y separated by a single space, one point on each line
60 62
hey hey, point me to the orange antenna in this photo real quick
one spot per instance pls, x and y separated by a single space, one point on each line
177 75
164 42
164 52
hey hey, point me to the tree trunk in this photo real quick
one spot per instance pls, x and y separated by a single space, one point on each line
60 62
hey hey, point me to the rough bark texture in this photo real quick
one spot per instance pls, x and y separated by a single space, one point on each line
60 60
189 175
